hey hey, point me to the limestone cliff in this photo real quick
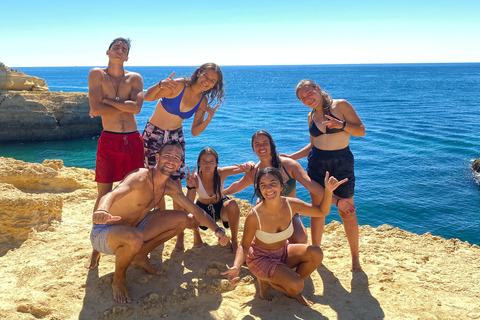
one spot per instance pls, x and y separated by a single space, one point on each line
29 115
32 195
16 80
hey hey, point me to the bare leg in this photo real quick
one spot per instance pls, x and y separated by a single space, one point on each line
197 238
299 231
265 287
231 213
350 224
103 189
316 224
161 226
289 282
125 243
179 245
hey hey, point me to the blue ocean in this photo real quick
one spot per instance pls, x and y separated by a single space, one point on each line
413 166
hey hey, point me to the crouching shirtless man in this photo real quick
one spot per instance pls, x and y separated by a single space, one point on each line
125 226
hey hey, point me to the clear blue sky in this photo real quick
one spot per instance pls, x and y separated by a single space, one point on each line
164 33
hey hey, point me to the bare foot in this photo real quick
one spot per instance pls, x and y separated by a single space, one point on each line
265 287
92 263
234 246
179 247
356 265
300 298
145 264
120 292
197 239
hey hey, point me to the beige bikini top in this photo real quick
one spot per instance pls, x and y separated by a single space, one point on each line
268 237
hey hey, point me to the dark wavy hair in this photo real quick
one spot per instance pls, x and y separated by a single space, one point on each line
215 93
273 149
327 100
216 176
127 41
172 143
273 171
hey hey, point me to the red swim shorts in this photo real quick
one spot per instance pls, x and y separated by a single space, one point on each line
117 155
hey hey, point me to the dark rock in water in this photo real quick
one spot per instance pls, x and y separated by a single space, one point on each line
30 115
476 165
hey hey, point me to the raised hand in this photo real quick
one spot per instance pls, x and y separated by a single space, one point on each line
331 183
333 123
346 205
168 83
102 217
232 276
245 167
211 111
190 179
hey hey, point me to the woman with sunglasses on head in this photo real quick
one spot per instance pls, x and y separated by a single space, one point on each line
265 246
331 123
180 99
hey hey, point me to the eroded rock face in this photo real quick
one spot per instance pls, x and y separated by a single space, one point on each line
43 116
16 80
20 212
32 195
476 165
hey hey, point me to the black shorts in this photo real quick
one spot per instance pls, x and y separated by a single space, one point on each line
339 163
214 210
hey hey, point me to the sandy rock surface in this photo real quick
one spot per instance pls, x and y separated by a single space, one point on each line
405 276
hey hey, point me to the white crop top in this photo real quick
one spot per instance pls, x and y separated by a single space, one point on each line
268 237
202 193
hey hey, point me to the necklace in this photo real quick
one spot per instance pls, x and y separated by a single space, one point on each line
116 87
153 191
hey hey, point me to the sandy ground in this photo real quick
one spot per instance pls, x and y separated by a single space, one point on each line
406 276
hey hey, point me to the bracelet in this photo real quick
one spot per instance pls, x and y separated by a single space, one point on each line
221 229
160 85
101 210
338 199
344 124
190 188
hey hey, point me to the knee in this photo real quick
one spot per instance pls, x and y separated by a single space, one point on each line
134 240
232 207
230 211
300 237
295 287
315 254
188 222
347 217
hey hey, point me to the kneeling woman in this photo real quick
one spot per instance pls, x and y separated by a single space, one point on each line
208 184
269 255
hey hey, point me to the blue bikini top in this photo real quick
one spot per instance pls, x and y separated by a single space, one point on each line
172 106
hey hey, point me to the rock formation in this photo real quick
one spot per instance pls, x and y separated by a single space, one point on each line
32 194
476 165
16 80
38 114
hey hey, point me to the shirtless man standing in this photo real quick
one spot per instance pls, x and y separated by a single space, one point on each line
125 226
116 95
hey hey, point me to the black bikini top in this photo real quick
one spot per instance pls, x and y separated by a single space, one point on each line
315 132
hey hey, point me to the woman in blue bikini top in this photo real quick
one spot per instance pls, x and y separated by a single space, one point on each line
182 98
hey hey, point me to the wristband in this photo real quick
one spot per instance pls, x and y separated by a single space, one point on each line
344 124
221 229
190 188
